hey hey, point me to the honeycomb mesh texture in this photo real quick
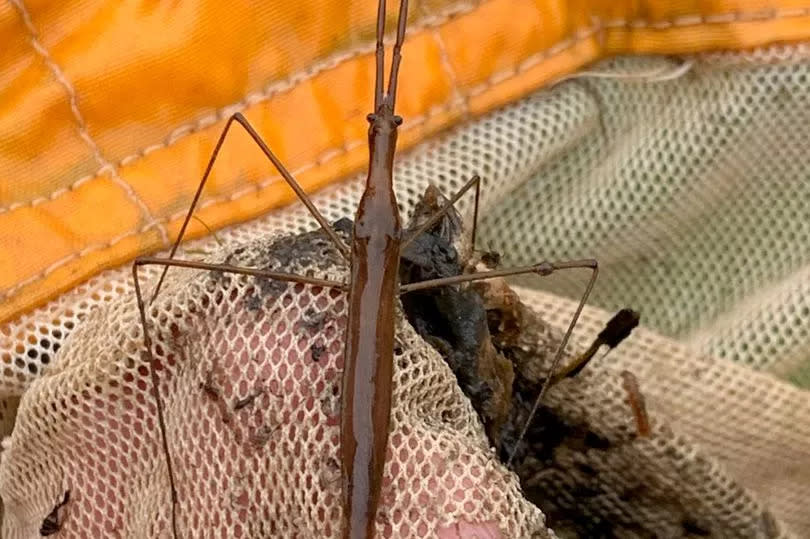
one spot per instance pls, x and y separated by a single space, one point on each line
659 485
754 425
252 377
691 192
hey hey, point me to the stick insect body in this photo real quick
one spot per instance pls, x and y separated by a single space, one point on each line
372 292
369 352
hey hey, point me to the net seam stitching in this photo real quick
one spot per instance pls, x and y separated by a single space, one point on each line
271 90
344 148
279 88
444 59
324 158
599 25
81 124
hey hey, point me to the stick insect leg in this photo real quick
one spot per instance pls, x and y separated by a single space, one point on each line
396 56
379 56
543 269
474 181
225 268
299 191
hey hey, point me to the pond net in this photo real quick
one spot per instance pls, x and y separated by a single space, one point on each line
250 370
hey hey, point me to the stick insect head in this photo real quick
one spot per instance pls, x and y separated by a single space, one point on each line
383 120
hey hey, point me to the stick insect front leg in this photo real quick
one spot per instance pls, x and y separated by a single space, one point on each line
170 262
225 268
288 177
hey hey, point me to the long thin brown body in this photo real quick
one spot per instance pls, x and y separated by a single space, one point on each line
369 352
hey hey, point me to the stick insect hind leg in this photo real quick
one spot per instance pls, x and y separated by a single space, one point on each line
225 268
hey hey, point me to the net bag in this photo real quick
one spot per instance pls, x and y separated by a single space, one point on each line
249 374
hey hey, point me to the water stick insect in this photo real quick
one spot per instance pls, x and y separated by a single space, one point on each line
372 290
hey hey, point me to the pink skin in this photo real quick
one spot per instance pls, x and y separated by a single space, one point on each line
466 530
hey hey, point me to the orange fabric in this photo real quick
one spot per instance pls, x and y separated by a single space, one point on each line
110 109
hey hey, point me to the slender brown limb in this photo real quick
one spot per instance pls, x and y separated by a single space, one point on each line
475 212
210 231
542 269
476 181
593 265
225 268
147 341
397 54
380 56
228 268
299 191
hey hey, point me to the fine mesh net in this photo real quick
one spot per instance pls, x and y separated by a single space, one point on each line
692 194
251 375
604 471
753 424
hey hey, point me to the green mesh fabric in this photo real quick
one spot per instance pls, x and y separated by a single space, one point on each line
693 193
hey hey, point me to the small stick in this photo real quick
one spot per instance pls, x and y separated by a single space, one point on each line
636 400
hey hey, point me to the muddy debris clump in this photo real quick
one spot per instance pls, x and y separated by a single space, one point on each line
500 351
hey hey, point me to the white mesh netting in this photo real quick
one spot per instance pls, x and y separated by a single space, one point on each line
252 374
693 194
